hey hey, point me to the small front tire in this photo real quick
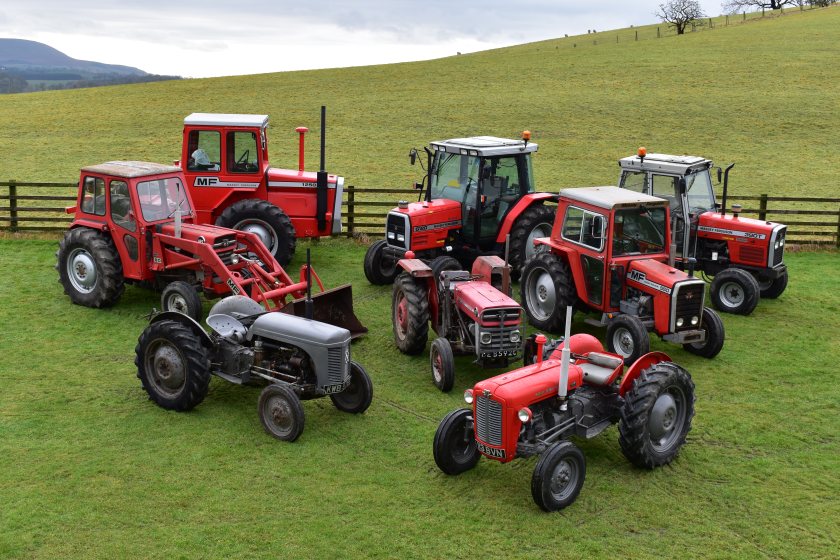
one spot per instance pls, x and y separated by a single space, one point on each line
281 412
454 445
715 335
443 364
627 337
357 396
558 476
379 268
774 288
182 297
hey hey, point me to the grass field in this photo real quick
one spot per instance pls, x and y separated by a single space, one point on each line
89 467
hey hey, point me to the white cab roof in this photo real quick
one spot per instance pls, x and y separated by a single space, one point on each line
130 169
485 146
665 163
225 119
611 197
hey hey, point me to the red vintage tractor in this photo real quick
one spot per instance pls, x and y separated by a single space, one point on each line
470 312
225 161
607 255
134 223
745 256
480 190
576 390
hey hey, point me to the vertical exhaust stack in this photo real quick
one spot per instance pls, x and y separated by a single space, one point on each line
321 193
725 186
566 356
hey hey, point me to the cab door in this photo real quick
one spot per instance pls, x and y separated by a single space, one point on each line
587 229
125 230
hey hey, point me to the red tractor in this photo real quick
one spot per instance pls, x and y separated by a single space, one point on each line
745 256
134 223
480 190
607 254
469 311
225 161
576 390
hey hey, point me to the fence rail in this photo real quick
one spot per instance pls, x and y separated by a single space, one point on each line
364 210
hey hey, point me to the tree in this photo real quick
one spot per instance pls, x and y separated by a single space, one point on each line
679 13
735 6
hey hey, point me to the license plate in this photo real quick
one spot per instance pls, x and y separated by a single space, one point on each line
335 388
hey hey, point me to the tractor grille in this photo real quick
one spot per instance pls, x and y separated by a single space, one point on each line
488 420
777 246
396 226
336 364
500 323
688 303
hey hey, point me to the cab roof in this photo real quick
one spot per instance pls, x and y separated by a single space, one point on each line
611 197
484 146
131 169
665 163
226 119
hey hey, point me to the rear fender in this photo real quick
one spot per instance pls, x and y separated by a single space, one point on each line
524 203
188 322
635 370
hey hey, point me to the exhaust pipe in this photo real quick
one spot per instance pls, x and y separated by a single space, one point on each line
725 185
321 193
566 357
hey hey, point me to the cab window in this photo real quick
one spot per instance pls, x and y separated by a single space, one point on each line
204 149
453 176
242 152
639 231
93 196
584 227
698 187
161 198
121 206
633 180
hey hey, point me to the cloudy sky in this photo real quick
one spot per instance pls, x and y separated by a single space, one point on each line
205 38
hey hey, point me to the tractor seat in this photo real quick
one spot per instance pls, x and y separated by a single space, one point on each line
600 369
454 276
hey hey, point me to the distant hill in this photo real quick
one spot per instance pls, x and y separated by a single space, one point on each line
23 55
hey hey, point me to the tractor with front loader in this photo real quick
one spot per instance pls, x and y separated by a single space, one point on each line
574 389
607 255
745 256
225 161
469 310
295 358
478 191
134 222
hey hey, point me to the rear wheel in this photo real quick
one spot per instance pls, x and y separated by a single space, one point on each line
533 223
735 291
182 297
439 264
270 223
774 288
379 268
558 476
410 314
357 396
715 336
172 365
443 364
454 445
89 268
281 412
656 416
546 290
628 337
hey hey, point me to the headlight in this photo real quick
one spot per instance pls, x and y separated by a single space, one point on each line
234 259
524 414
401 237
782 242
776 245
486 338
694 321
515 336
468 396
680 322
391 235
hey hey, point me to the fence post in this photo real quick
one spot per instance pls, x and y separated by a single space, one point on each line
13 215
657 33
351 210
762 208
727 20
837 240
637 34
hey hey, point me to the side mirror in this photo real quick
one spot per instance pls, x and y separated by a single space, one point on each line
417 186
719 174
412 156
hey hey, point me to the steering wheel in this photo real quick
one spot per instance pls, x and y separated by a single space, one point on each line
243 159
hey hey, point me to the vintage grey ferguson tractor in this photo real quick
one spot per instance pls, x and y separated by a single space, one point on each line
572 390
294 357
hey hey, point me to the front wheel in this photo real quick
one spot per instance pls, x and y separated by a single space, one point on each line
735 291
774 288
271 224
443 364
380 269
357 396
715 335
558 476
182 297
281 412
627 337
656 416
454 445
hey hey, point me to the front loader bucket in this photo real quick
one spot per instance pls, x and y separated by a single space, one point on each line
334 307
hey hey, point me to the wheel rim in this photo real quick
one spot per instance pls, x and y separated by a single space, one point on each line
437 366
278 415
623 342
167 367
81 270
540 294
401 322
540 230
666 419
563 479
263 230
177 302
731 294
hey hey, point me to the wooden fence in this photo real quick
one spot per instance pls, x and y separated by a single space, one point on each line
37 207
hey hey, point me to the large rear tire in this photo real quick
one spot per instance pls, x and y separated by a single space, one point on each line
182 297
533 223
439 264
89 268
627 337
715 336
358 395
410 314
270 223
454 445
735 291
558 476
172 365
547 288
774 288
656 416
379 268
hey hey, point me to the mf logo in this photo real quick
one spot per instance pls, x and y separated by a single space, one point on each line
637 276
233 287
206 181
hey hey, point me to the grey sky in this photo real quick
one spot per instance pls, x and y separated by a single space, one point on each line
203 38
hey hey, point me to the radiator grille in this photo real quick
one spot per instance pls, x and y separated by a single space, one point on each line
689 303
336 364
488 420
396 225
778 252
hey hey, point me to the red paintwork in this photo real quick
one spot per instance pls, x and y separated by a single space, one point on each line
431 222
475 297
749 249
298 200
523 204
635 370
664 275
415 267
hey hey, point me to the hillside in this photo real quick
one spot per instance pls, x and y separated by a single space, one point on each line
761 93
35 56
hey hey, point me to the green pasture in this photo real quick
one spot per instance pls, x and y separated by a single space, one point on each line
90 468
762 93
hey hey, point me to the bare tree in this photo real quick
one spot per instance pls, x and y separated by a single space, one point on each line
735 6
680 13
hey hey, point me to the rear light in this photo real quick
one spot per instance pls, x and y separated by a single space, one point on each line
524 414
468 396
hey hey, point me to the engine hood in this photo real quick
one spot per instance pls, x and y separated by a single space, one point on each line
652 276
475 297
298 330
294 178
740 228
200 233
529 384
434 211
